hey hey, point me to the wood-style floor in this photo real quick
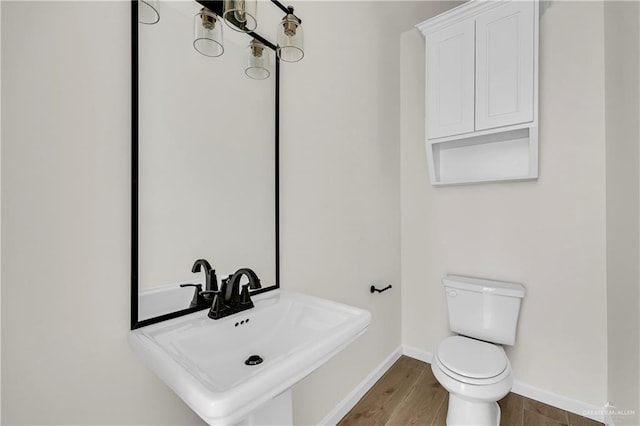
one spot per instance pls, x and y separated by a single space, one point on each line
409 394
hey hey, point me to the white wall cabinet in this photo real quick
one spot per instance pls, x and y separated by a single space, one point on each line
481 92
451 80
504 65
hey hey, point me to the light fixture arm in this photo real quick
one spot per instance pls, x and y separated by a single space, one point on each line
286 9
282 7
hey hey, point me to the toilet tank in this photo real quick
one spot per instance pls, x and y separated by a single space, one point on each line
484 309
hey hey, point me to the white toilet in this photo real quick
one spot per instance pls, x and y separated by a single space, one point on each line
472 366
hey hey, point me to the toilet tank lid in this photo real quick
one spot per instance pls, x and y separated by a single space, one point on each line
480 285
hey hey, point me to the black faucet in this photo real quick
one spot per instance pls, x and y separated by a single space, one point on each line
210 279
230 300
231 290
198 299
203 298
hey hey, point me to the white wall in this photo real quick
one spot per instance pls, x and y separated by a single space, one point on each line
622 71
340 178
65 221
65 204
549 234
0 217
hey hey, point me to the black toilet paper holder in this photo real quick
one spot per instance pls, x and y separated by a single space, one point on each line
373 289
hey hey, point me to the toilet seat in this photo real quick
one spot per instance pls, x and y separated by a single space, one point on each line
472 361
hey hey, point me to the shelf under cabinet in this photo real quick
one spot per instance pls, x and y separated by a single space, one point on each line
500 156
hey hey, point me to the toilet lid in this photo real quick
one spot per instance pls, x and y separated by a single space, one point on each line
472 358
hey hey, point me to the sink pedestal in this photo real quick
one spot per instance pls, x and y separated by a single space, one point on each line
278 411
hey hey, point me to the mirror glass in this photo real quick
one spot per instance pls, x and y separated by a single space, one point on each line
206 175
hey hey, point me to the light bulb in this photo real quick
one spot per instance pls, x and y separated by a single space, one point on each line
208 34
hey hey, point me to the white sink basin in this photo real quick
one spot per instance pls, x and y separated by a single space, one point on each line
203 360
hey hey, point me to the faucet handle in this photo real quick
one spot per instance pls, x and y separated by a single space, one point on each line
198 299
217 306
245 297
227 288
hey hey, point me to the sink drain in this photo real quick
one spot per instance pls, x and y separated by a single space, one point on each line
254 360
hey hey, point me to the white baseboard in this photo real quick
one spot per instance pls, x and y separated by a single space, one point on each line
355 395
568 404
418 354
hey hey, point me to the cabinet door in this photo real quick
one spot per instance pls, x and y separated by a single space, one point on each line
449 90
505 65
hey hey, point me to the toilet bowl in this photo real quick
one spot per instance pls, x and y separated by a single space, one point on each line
476 374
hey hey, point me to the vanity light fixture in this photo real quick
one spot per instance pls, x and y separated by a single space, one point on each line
208 33
240 15
290 37
148 12
258 64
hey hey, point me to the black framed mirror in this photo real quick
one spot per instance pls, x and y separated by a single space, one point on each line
205 141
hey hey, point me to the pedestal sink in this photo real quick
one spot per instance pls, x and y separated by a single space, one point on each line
240 369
